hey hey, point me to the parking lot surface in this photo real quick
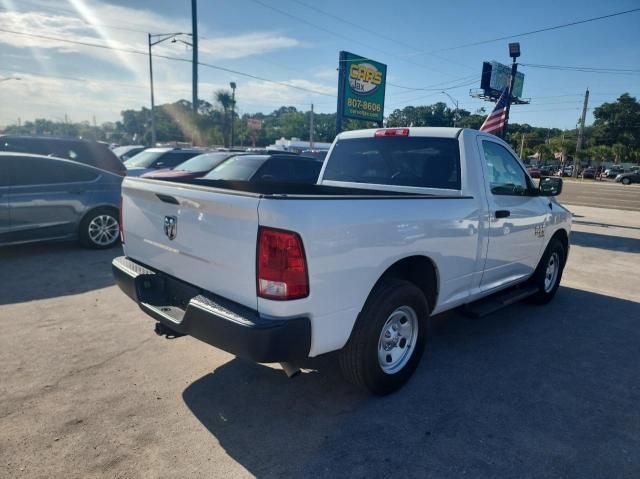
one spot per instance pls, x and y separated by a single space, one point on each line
88 390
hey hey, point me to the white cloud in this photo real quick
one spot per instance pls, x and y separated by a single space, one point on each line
97 22
36 96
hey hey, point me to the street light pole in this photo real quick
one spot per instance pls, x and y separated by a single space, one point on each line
233 109
194 62
514 52
455 103
162 38
153 115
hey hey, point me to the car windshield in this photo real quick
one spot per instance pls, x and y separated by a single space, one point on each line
238 168
121 150
144 159
204 162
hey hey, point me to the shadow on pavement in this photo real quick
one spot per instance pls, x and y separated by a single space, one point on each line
529 391
47 270
614 243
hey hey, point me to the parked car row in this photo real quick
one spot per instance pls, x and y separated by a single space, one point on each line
60 189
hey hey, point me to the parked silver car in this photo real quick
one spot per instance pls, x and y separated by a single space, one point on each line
48 198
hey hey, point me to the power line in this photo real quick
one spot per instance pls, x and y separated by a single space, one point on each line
615 71
466 83
166 57
340 35
371 32
532 32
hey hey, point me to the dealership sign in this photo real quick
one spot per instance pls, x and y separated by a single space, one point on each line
254 123
496 77
361 88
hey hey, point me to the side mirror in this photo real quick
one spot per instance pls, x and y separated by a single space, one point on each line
550 186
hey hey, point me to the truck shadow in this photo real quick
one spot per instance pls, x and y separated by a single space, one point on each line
613 243
48 270
492 398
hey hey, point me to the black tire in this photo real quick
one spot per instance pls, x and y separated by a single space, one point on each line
84 234
547 291
359 358
626 181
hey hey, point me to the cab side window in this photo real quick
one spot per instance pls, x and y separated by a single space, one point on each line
505 175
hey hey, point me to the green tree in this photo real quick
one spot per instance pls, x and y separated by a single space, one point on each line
225 100
618 123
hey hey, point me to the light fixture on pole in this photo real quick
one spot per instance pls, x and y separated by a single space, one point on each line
154 39
514 52
233 108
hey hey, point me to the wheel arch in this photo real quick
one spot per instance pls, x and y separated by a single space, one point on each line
562 236
419 270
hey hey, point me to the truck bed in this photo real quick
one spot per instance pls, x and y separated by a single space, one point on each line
275 190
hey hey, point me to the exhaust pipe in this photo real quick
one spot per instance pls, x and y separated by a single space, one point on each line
290 369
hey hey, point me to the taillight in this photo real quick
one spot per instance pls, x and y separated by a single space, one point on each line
120 225
282 266
392 132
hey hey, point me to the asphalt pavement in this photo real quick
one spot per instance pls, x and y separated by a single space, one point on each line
601 194
88 390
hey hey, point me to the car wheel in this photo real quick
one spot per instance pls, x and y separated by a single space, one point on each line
626 181
388 339
548 274
99 229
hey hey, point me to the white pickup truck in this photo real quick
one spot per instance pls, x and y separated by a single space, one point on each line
403 223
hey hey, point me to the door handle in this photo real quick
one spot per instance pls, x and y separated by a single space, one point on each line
77 191
502 213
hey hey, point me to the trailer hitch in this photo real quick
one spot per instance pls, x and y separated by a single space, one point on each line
162 330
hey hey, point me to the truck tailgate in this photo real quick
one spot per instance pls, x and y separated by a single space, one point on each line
214 246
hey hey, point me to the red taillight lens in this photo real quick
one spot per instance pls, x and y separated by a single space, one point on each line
282 266
392 132
120 225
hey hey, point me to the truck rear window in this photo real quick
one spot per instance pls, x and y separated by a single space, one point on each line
400 161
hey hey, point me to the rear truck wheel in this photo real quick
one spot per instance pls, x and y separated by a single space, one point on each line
388 339
548 274
626 181
99 229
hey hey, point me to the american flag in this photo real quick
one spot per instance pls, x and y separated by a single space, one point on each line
496 119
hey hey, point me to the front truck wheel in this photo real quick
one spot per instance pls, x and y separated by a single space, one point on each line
548 274
388 338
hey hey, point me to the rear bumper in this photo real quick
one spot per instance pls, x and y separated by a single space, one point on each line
217 321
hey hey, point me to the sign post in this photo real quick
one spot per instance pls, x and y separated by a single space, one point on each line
361 89
254 124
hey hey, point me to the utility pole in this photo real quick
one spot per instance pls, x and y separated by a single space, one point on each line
521 144
580 144
311 128
194 41
153 114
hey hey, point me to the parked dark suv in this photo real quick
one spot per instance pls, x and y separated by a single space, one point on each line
91 153
48 198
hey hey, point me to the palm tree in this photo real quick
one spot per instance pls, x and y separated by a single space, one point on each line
225 100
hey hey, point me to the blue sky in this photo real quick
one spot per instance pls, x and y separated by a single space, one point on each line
300 47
